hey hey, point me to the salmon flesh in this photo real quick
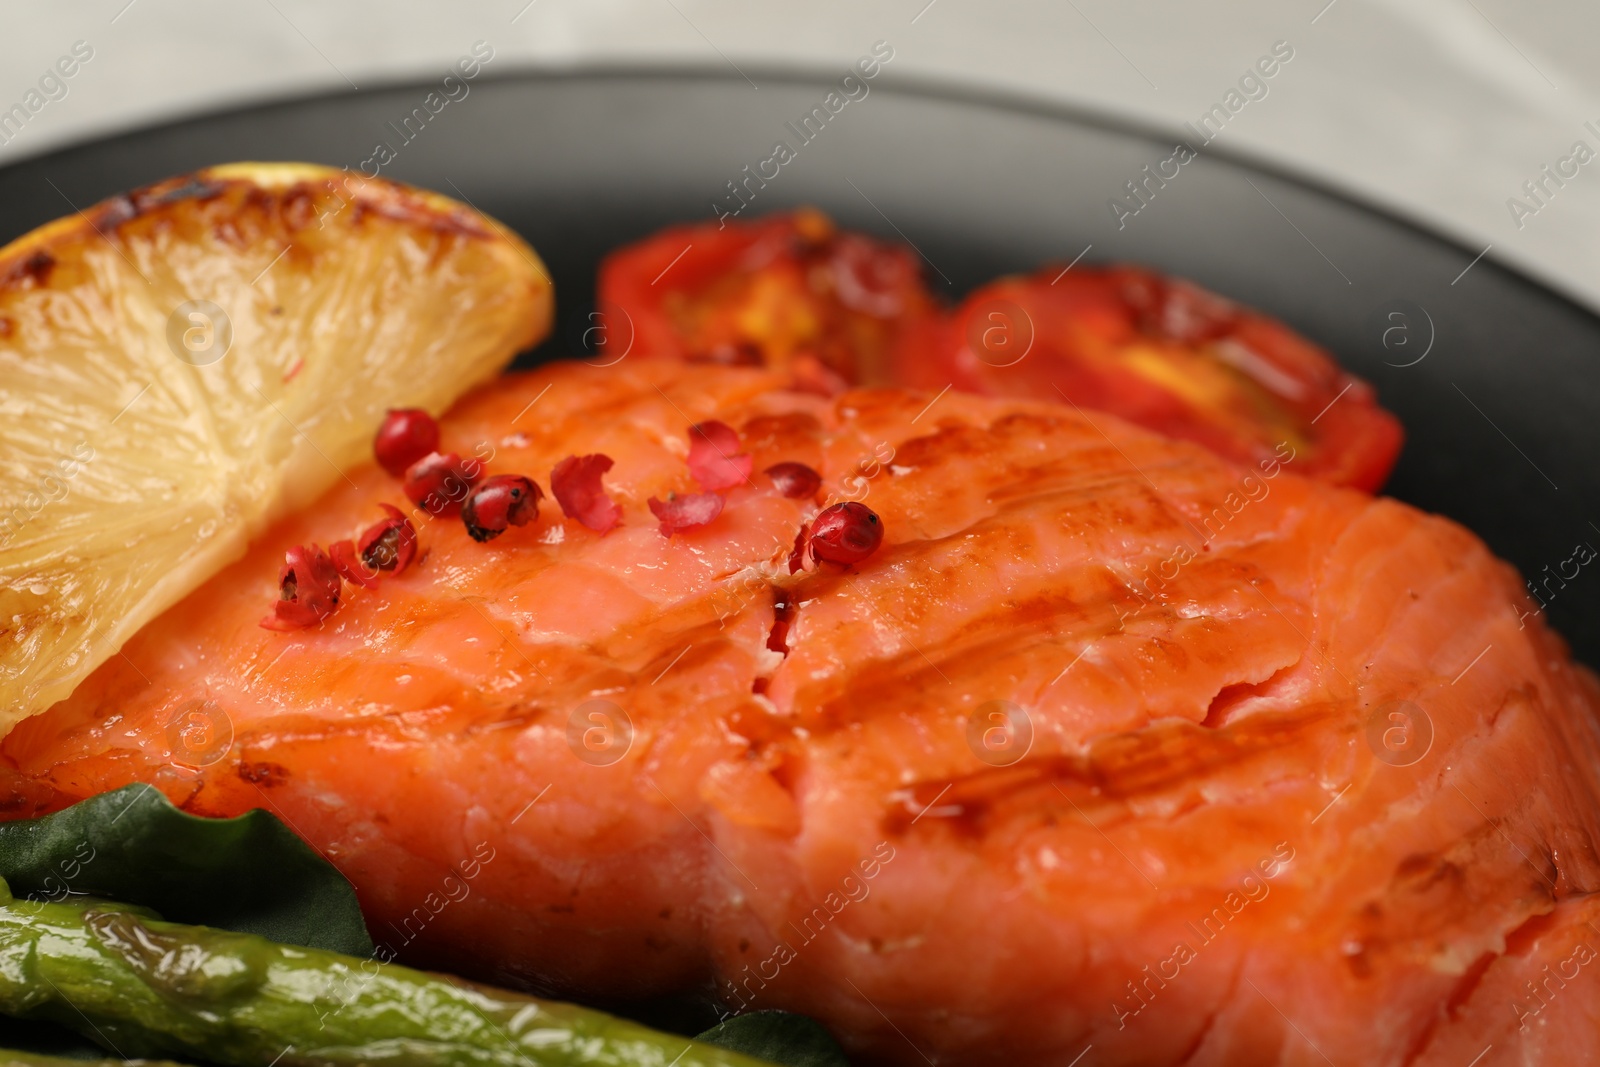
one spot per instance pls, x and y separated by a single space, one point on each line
1112 745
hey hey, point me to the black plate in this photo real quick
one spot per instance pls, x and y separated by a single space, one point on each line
1493 375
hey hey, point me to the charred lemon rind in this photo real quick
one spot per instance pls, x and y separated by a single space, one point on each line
321 297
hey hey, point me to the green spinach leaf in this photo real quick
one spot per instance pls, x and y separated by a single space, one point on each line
780 1037
250 874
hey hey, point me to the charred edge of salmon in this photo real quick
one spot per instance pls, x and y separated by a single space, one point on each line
1423 900
29 260
1113 770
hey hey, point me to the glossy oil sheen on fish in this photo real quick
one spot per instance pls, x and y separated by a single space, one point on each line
1112 743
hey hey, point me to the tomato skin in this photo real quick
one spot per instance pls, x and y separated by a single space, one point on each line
836 309
788 291
1167 355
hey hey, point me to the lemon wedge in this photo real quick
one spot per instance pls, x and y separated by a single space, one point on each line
181 365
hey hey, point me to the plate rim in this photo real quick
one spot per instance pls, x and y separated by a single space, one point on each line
929 87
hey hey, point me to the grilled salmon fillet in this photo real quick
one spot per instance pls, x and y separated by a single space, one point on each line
1112 750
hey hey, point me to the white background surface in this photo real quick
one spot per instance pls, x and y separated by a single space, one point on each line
1438 109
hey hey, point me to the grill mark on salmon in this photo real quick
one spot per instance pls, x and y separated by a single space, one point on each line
1107 782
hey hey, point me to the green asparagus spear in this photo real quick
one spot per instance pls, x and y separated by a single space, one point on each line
143 987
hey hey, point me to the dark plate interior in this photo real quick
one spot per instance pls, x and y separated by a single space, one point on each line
1495 382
